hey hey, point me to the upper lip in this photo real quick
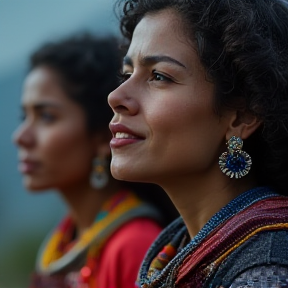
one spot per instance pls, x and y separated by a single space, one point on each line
117 127
27 160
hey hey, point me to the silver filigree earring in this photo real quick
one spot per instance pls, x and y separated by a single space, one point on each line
99 176
235 163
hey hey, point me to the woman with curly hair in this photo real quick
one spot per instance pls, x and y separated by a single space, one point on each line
64 145
203 112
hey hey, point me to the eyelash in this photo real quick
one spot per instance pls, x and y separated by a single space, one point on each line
157 74
47 117
122 76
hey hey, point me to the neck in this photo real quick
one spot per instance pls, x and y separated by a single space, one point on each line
197 199
85 202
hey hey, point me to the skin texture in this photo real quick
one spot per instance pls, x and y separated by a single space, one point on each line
53 136
55 148
169 103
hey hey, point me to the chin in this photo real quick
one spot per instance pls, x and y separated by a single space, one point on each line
118 174
127 173
34 186
121 172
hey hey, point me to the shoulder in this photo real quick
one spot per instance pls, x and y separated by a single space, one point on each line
262 276
263 249
124 251
135 233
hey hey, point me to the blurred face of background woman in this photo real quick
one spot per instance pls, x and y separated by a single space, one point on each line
55 146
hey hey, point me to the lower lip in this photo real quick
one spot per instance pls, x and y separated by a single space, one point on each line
117 143
27 168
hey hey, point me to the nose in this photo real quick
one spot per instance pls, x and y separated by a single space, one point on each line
123 101
23 136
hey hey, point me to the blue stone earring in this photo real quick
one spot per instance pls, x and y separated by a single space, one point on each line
235 163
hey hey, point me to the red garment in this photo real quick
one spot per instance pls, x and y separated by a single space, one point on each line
123 253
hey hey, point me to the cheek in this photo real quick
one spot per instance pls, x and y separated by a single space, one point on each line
185 131
177 116
66 149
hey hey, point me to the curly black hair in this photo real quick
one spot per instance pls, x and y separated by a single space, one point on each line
243 45
88 68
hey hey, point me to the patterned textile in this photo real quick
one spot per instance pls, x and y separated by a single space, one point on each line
265 215
252 212
69 262
263 277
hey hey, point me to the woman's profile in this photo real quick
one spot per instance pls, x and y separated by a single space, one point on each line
203 112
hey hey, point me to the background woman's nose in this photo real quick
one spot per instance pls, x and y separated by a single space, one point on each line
23 135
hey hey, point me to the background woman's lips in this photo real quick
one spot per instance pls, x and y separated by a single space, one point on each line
27 167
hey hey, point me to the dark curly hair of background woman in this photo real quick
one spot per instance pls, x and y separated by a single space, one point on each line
77 73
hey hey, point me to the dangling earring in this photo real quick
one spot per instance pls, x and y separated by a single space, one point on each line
235 163
99 176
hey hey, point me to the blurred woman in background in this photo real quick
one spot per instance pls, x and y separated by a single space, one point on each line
64 145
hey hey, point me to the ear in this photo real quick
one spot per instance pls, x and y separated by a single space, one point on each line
242 124
101 144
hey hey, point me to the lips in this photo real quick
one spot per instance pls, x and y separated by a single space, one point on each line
27 166
123 136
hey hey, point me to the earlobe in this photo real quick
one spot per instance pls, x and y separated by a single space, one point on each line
243 124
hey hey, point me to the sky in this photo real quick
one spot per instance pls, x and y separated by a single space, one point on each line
25 23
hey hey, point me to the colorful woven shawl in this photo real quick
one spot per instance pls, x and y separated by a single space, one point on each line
252 212
265 215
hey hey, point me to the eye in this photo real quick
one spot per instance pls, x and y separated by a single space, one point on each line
124 76
47 117
160 77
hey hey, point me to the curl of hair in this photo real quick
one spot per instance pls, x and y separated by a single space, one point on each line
243 45
88 68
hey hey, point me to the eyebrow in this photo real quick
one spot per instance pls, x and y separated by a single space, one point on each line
153 59
42 105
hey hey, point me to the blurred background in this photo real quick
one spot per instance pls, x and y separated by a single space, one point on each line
25 218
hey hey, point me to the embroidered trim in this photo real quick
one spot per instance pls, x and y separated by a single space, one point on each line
118 210
169 273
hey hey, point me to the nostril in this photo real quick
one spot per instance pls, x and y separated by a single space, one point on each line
120 108
122 102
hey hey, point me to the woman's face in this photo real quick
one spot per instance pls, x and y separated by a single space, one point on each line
55 148
164 125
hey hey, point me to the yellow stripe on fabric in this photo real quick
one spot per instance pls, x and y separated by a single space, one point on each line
98 226
263 228
50 257
51 253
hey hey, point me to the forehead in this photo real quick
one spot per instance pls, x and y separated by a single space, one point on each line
161 33
42 83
